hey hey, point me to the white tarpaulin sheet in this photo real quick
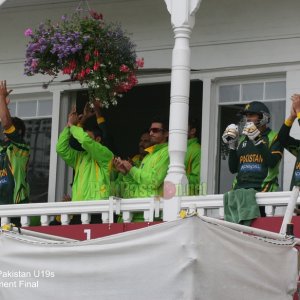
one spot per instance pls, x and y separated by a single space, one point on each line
185 259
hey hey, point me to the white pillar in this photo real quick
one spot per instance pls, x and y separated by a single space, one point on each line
183 20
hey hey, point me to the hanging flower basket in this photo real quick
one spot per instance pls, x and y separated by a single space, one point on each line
97 54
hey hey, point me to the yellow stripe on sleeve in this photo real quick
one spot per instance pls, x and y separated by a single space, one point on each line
288 122
11 129
277 152
100 120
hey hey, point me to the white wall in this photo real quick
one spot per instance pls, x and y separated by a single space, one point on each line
232 33
227 33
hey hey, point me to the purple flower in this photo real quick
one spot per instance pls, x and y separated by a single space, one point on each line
62 47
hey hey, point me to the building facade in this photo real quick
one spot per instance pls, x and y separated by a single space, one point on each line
240 51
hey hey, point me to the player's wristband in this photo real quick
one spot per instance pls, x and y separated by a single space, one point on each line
100 120
288 122
11 129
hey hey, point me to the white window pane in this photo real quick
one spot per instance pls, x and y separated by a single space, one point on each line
27 109
275 90
277 110
45 108
252 91
12 109
229 93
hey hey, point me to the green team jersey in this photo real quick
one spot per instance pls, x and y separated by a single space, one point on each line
257 167
137 160
147 179
92 166
193 165
14 158
293 146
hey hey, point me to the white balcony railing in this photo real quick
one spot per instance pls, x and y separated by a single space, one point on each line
209 205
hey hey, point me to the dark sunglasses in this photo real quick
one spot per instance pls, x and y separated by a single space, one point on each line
156 130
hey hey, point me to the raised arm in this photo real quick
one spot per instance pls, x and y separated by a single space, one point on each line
87 113
97 151
63 148
4 111
284 137
296 105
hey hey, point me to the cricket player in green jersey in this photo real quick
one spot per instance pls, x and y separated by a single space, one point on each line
92 166
256 155
290 143
14 155
193 158
147 179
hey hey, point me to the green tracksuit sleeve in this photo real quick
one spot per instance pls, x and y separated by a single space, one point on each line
153 169
64 150
194 167
97 151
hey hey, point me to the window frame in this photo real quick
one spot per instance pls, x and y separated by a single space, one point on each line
241 81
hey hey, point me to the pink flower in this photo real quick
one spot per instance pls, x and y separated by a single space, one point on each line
96 66
82 73
96 52
87 71
28 32
34 63
67 70
87 57
124 68
133 80
140 62
72 64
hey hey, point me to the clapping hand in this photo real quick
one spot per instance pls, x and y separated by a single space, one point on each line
118 164
296 104
73 118
127 165
4 92
88 111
